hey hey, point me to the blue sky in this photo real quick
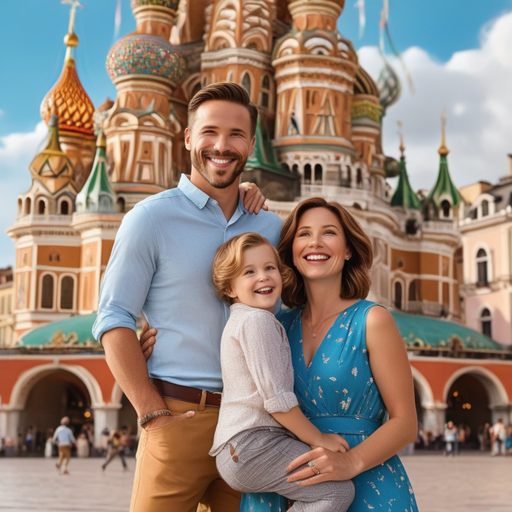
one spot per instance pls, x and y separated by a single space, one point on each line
457 51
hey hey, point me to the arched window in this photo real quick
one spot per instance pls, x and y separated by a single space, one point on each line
41 207
28 206
481 268
19 206
318 173
64 208
295 169
398 295
307 173
486 322
485 208
246 83
120 205
359 178
67 289
265 90
47 292
412 291
445 208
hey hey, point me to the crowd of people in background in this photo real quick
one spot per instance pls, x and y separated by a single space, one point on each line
495 439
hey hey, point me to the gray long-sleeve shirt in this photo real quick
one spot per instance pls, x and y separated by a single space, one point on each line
257 373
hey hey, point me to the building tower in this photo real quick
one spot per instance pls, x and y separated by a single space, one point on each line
315 70
444 202
68 100
139 127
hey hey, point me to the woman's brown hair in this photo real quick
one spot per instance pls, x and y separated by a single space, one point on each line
355 279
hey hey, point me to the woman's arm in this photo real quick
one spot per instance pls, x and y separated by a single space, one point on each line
392 374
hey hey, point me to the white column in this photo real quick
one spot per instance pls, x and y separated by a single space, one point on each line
9 423
434 417
104 416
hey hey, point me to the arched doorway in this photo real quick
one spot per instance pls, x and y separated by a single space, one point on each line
54 395
469 405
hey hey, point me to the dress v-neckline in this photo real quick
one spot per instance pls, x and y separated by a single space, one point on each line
308 365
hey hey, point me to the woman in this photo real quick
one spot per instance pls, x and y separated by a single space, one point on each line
350 363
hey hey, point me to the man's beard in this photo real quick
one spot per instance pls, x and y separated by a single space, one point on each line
198 159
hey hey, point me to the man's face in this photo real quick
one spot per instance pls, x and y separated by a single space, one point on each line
219 140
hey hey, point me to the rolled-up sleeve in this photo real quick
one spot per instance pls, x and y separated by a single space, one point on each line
129 273
268 358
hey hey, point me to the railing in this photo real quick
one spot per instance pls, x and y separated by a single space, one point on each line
427 307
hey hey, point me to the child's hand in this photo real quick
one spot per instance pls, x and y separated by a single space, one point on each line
334 442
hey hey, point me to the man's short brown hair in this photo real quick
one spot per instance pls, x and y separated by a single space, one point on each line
223 91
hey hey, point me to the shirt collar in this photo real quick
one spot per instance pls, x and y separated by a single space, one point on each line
197 196
200 198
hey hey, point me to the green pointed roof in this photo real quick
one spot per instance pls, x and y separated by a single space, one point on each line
421 331
264 155
444 185
97 194
404 195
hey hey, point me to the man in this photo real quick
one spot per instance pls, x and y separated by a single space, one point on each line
65 440
499 438
161 264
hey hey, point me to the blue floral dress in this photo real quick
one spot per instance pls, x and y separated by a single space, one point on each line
338 394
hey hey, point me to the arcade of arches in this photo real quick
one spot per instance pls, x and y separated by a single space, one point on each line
36 391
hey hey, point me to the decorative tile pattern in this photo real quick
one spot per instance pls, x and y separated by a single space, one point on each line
145 55
170 4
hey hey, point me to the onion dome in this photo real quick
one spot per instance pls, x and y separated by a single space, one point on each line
363 83
169 4
52 166
145 55
97 194
389 87
67 98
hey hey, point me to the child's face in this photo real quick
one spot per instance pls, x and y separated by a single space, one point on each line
259 283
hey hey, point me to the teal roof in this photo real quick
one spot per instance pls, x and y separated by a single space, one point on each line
97 194
444 186
264 155
404 195
421 331
75 331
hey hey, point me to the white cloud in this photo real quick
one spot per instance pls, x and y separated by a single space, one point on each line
16 152
473 88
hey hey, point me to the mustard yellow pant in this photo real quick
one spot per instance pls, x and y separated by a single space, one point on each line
174 471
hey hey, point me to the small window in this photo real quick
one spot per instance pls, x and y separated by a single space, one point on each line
482 268
246 83
486 323
67 289
485 208
64 208
446 208
41 207
47 292
307 173
398 295
318 173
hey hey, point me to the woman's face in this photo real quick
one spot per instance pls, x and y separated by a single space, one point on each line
319 247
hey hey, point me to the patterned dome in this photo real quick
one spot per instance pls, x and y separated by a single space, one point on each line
389 87
68 100
139 54
169 4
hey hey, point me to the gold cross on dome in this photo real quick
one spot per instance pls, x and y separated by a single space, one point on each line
74 4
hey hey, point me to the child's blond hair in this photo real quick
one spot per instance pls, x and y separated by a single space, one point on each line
228 262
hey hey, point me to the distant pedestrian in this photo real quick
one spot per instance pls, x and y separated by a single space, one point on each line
82 445
65 440
499 437
115 448
450 438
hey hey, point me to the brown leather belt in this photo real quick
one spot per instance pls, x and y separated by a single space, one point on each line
193 395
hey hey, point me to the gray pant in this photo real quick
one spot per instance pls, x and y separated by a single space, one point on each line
256 461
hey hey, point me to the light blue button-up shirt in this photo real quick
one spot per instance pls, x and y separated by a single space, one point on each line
161 265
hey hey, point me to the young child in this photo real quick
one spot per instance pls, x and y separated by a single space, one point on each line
260 420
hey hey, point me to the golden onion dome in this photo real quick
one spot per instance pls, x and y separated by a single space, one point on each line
73 105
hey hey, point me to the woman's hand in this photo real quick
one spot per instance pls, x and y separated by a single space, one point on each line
331 466
147 340
333 442
253 199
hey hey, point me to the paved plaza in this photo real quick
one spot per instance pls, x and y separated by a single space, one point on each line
468 483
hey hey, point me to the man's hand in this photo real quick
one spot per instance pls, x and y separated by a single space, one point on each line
163 420
253 199
147 341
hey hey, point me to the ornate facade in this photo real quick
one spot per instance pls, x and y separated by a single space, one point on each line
319 133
